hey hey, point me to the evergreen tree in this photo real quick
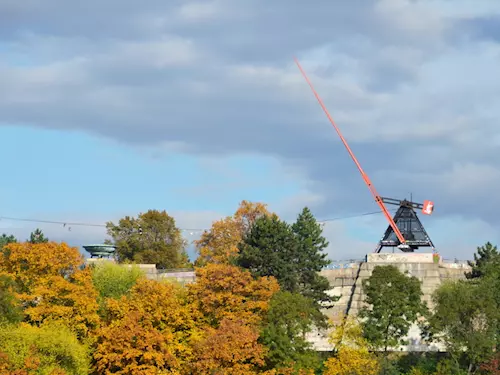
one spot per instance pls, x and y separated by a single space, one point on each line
270 249
290 253
485 260
311 258
38 237
5 240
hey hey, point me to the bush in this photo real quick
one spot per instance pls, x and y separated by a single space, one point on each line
50 349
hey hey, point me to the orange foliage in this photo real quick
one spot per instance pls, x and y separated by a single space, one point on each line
225 291
51 285
221 242
150 330
231 349
289 371
29 264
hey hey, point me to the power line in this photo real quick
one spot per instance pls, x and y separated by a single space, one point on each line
83 224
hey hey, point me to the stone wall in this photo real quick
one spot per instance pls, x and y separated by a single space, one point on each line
347 282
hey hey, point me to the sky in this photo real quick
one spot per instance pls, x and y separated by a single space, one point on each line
113 108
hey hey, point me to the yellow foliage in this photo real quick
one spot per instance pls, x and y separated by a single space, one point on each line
27 350
221 243
29 264
51 285
151 330
225 291
352 362
353 356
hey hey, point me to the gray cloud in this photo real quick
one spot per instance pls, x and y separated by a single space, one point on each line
415 92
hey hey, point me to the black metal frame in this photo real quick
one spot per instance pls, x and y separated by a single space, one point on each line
410 226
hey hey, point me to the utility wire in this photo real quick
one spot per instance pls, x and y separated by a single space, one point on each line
82 224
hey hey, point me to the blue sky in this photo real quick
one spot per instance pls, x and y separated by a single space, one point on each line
194 106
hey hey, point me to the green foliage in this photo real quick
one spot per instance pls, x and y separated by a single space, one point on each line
5 240
151 238
37 237
394 301
10 310
289 318
465 318
310 257
487 257
112 280
292 254
52 347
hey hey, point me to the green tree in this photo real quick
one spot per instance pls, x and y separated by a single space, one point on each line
290 317
47 350
10 310
270 249
487 256
465 319
394 303
152 237
290 253
5 240
311 257
37 237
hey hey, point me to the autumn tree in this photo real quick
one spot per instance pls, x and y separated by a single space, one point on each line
152 237
290 253
220 243
37 237
149 331
352 356
394 304
6 239
53 349
226 291
487 256
290 317
51 285
230 349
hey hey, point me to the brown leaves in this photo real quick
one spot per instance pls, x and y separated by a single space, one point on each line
29 264
221 243
231 349
152 329
225 291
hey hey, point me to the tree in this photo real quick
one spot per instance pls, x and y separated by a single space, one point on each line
311 257
152 237
52 349
272 248
352 356
487 255
394 303
152 330
51 285
37 237
465 319
226 291
289 319
10 309
220 244
5 240
113 281
230 349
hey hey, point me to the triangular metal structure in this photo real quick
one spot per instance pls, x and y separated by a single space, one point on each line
410 227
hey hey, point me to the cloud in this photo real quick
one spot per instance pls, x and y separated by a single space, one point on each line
412 84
